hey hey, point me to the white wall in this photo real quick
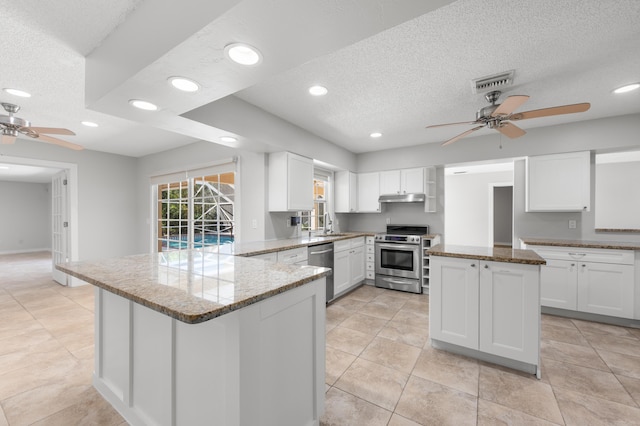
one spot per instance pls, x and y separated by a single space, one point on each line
617 196
503 214
25 217
106 196
467 203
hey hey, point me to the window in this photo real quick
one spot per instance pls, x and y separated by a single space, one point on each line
314 219
197 211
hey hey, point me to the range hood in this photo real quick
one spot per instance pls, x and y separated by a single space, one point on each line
402 198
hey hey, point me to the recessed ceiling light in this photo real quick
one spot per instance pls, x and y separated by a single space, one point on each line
184 84
17 92
318 90
147 106
375 134
243 54
627 88
228 139
89 123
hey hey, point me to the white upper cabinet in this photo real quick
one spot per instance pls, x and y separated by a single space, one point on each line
405 181
346 200
559 182
368 192
290 182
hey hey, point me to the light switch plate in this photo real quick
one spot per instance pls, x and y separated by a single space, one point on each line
572 224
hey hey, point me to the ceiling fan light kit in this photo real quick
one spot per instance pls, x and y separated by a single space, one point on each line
12 126
499 116
627 88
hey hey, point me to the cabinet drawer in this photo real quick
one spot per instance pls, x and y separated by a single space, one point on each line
370 275
293 255
369 240
356 242
370 257
370 249
271 257
371 266
622 257
341 245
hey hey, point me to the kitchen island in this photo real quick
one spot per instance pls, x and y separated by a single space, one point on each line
485 303
195 337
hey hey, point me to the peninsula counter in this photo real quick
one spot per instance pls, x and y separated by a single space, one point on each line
200 338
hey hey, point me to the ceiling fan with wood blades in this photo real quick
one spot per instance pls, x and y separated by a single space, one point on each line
11 126
500 116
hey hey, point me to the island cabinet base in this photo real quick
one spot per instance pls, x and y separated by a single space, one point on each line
263 364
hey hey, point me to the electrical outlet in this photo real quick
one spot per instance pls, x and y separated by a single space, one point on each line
388 220
572 224
254 223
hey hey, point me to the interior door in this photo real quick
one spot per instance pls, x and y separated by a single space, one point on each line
59 225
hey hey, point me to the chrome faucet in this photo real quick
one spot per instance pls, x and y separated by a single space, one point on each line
328 221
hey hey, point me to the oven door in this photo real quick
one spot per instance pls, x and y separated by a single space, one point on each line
398 260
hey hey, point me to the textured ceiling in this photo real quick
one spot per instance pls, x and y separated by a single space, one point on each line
393 66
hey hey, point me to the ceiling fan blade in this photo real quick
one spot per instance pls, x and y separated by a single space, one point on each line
461 135
451 124
510 130
6 139
60 142
545 112
509 105
52 130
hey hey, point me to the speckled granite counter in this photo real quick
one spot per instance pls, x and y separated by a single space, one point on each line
254 248
582 243
192 286
496 254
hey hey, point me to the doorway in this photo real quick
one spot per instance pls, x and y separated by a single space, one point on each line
502 215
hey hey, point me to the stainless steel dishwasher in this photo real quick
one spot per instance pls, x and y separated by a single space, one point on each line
322 255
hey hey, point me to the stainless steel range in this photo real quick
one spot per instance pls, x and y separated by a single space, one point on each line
398 257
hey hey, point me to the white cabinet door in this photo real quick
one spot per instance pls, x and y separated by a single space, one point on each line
453 299
356 264
368 192
558 182
509 311
606 289
559 284
345 192
341 271
390 182
412 181
290 182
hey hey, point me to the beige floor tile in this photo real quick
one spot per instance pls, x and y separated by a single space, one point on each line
347 340
348 303
366 293
336 314
573 354
579 409
413 319
26 342
563 334
632 386
634 332
337 363
557 321
373 383
3 419
33 356
420 306
18 328
392 354
364 323
596 327
587 381
448 369
429 403
519 393
623 345
379 310
343 409
397 420
91 409
490 413
392 299
622 364
404 333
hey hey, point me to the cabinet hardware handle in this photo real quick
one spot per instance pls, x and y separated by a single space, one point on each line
486 266
577 254
573 264
473 265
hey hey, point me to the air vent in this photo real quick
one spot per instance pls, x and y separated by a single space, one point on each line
492 82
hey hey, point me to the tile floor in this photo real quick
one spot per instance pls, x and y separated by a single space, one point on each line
380 367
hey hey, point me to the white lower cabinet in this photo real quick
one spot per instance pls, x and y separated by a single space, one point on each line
370 260
296 256
597 281
491 307
348 264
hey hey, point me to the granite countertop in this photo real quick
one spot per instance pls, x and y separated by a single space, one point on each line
193 286
495 254
254 248
582 243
